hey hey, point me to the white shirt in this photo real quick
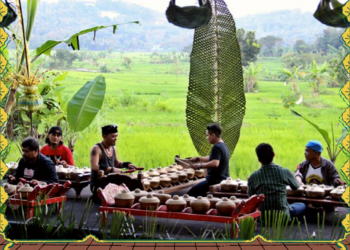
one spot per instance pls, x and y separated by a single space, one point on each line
314 175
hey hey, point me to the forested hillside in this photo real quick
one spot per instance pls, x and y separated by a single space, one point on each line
61 19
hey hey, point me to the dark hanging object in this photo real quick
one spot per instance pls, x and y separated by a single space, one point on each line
216 87
10 17
190 17
329 12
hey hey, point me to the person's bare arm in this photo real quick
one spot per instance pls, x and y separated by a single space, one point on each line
95 155
211 164
200 159
300 181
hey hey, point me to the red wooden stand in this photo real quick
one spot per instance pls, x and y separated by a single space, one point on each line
247 208
216 191
30 205
54 193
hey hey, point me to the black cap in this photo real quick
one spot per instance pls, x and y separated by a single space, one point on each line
109 129
55 129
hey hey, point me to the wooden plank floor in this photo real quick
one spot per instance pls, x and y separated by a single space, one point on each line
90 244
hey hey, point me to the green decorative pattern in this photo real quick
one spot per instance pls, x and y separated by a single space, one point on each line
4 39
345 120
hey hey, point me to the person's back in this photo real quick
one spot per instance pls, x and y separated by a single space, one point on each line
272 180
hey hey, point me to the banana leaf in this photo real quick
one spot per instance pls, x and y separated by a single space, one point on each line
216 89
323 132
86 103
72 41
333 146
329 12
31 14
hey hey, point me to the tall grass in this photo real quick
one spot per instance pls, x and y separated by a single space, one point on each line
45 225
277 225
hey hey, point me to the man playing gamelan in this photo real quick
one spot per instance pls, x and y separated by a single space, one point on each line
103 156
316 169
216 163
34 166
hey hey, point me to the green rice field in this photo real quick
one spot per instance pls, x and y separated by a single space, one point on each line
148 103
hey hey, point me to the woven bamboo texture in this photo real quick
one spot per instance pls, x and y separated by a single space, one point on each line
216 89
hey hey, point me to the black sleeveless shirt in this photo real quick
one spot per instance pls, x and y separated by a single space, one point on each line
104 163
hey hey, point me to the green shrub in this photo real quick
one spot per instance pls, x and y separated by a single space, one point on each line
127 99
162 106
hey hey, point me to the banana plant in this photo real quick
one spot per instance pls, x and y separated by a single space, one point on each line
24 61
318 75
250 74
292 76
84 106
333 145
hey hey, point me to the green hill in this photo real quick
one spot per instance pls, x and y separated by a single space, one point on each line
61 19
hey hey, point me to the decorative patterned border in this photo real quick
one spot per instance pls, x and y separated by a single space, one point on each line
257 241
4 39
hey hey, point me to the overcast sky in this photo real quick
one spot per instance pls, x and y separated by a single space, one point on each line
238 8
241 8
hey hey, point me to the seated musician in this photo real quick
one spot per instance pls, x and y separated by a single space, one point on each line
217 163
104 156
316 169
34 166
55 149
271 180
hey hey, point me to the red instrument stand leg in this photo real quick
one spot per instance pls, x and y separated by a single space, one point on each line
104 219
